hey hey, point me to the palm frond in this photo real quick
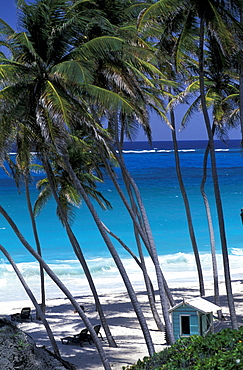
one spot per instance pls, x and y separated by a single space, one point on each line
42 199
55 102
100 47
165 8
5 30
75 71
194 107
108 99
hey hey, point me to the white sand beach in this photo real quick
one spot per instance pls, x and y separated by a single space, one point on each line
121 319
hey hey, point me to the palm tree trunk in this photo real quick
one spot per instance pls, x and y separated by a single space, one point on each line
187 206
37 242
141 263
151 299
117 260
148 283
128 180
216 183
62 288
76 247
147 237
210 228
160 277
33 300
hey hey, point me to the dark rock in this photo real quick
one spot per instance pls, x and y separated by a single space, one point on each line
19 352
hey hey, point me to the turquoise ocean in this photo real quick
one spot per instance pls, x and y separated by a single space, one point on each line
153 168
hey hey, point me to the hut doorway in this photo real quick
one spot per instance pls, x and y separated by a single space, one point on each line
185 325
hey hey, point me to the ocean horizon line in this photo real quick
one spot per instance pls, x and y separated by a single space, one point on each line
182 144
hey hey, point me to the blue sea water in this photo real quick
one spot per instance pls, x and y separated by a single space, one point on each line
153 169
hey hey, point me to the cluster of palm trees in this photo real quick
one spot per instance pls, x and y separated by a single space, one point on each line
80 76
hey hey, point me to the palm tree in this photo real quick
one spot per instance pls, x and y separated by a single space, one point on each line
66 196
222 97
53 86
117 260
164 51
32 298
203 22
20 170
59 284
210 17
124 73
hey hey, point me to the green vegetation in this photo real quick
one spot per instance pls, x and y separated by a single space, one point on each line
223 350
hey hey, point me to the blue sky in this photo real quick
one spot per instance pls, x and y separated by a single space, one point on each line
195 130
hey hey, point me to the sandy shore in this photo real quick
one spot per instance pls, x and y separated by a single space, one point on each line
121 319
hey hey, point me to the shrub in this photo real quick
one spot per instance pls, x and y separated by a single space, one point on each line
220 351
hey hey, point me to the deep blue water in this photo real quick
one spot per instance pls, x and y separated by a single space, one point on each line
153 168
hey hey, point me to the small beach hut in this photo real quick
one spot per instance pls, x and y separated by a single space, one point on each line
193 317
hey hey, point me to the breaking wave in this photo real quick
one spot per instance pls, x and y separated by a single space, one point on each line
179 269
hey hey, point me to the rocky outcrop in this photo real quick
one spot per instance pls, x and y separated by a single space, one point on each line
18 351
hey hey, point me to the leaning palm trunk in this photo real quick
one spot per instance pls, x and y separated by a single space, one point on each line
130 252
148 283
210 228
216 183
139 225
160 277
37 242
117 260
76 247
62 287
33 300
157 320
149 242
187 206
141 263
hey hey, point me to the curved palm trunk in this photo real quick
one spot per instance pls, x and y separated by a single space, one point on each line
117 260
151 297
160 277
146 279
216 183
164 291
128 180
187 206
76 247
210 228
62 288
148 283
141 263
37 242
33 300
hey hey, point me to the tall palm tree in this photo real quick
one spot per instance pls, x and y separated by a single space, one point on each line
222 94
20 170
53 85
59 186
58 283
117 260
218 200
210 17
126 73
164 51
